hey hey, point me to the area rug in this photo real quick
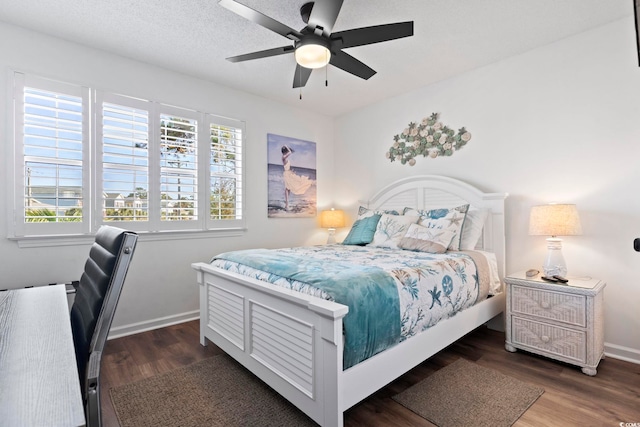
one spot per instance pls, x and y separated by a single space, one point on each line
464 393
214 392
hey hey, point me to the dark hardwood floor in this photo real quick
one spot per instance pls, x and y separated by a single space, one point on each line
571 398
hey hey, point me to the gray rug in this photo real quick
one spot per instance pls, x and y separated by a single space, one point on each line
464 393
214 392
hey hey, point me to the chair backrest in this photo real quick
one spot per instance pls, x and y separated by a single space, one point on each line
95 304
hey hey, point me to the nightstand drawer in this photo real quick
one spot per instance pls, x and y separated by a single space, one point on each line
559 341
567 308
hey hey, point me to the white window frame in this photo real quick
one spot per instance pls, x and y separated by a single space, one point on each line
223 223
16 179
97 163
187 114
39 233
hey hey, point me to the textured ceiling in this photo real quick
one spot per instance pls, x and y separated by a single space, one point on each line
194 37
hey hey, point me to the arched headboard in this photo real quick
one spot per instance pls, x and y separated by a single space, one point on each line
435 191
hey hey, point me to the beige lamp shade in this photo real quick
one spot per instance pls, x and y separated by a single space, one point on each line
332 219
554 220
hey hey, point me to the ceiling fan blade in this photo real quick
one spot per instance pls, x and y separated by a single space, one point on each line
301 77
374 34
261 19
351 65
324 14
262 54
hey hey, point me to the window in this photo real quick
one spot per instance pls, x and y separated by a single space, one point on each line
225 168
125 163
178 168
84 158
52 156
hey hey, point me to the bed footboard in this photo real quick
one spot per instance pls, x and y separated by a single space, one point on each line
291 341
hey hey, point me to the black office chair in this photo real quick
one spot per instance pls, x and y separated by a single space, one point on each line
95 302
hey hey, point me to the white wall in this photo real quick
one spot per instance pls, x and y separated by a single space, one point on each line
160 282
560 123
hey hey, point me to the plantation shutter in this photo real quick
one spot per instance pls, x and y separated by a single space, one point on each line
51 125
226 172
178 168
53 154
125 162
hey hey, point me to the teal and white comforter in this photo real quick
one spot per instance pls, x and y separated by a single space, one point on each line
392 294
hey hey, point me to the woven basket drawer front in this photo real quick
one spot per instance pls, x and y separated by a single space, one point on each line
556 340
565 308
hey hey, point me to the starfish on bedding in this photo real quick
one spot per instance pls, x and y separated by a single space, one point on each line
435 294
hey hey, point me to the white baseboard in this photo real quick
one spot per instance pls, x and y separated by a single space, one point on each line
623 353
148 325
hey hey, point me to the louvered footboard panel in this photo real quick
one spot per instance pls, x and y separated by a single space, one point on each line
291 341
226 315
284 345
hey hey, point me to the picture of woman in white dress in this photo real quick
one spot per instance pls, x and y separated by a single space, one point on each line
291 177
293 183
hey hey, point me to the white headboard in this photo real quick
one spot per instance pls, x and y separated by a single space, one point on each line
434 191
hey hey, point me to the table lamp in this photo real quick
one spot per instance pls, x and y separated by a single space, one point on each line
332 219
554 220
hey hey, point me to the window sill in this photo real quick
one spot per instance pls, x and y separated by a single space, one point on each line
143 236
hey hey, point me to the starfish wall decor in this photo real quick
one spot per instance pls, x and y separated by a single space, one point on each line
429 138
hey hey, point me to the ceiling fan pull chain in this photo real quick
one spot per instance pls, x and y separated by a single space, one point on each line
300 80
326 72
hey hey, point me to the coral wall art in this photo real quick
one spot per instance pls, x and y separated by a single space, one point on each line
429 138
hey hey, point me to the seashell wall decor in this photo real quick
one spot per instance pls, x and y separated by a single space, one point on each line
429 138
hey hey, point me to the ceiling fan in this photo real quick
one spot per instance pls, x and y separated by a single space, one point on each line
315 45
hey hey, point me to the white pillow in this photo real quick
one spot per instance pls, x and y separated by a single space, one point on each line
391 229
495 286
441 219
423 239
472 228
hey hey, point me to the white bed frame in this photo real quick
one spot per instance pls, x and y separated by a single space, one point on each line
293 342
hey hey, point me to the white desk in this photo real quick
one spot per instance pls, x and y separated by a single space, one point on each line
39 383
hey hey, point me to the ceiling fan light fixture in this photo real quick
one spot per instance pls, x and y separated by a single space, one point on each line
312 53
317 45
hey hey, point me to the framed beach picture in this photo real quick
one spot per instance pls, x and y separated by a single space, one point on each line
292 177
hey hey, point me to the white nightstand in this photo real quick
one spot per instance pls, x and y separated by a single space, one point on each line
561 321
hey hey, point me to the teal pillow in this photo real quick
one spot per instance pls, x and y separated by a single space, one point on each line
362 231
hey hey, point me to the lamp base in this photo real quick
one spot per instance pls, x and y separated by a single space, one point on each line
554 264
331 239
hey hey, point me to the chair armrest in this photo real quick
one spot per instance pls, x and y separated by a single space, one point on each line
71 287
